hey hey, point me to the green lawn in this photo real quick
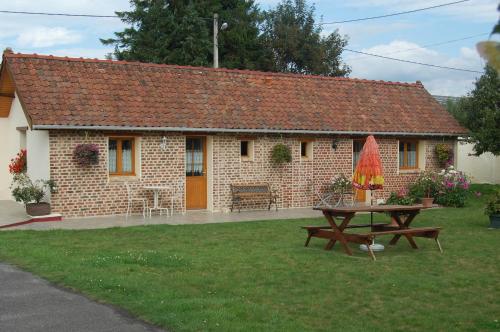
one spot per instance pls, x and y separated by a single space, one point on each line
258 276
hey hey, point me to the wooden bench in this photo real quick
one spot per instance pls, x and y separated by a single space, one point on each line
427 232
326 232
257 191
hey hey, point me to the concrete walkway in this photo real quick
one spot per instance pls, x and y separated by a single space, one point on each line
29 303
191 217
12 212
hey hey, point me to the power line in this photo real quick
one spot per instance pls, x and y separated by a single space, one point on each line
71 15
209 18
395 14
428 45
414 62
57 14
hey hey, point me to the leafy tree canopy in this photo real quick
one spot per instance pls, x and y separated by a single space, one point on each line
180 32
285 39
296 45
480 113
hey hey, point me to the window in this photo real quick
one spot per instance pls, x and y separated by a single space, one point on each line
121 156
246 150
408 155
195 156
357 146
303 149
306 150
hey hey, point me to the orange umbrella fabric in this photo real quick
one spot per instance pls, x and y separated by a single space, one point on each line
368 173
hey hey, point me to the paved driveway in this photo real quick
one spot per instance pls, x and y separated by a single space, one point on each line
28 303
12 212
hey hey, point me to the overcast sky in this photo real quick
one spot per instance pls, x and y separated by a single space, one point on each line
401 37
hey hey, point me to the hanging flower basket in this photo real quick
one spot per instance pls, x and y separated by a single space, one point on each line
86 154
281 154
444 154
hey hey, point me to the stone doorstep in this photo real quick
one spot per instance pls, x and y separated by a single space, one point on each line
32 219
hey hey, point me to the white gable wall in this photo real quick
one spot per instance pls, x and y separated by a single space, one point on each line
482 169
12 140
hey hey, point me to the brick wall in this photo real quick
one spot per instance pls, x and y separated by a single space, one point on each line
90 191
297 181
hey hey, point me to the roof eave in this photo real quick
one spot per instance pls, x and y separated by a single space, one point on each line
241 130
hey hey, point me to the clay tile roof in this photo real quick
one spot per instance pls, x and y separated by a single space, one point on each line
88 92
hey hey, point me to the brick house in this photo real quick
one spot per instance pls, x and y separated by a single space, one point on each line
157 124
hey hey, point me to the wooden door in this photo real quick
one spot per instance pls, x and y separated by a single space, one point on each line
196 173
357 146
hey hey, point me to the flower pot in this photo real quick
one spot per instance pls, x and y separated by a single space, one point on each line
38 209
495 221
427 202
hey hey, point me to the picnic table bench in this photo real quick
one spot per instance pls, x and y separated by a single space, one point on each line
401 214
256 191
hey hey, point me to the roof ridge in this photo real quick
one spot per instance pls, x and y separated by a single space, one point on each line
238 71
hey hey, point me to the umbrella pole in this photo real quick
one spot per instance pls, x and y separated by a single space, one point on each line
371 214
374 246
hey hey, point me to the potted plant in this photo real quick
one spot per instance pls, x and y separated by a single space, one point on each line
341 184
400 198
31 194
492 210
425 187
86 154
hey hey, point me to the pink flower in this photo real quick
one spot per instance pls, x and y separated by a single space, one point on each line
478 194
402 193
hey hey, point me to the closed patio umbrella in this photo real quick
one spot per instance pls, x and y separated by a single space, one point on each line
368 176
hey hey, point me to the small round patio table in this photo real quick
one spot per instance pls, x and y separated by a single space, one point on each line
156 197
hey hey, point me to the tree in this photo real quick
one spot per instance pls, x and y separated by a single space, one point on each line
480 113
294 42
180 32
490 49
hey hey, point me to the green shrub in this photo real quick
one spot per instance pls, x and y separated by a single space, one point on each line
493 204
455 188
399 199
281 154
27 191
449 187
428 184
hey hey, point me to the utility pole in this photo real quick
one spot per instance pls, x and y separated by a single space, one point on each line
216 41
216 38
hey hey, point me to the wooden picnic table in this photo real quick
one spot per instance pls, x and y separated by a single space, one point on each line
339 218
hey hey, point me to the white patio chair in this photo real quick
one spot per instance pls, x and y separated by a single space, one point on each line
331 199
132 197
177 195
